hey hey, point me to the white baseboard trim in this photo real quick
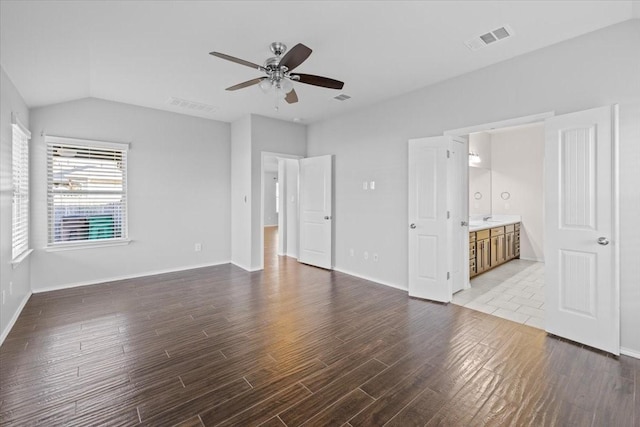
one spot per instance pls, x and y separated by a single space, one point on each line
126 277
13 320
244 267
371 279
630 353
532 259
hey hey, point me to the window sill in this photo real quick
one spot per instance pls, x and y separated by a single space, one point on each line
78 246
21 258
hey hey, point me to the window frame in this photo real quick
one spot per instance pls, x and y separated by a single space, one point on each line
20 190
88 243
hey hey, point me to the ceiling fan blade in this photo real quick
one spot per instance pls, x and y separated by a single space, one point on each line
296 56
247 83
292 97
237 60
310 79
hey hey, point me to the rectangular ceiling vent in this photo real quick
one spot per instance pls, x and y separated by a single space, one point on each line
484 40
342 97
194 107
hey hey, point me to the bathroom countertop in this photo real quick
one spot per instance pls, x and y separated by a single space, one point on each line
477 224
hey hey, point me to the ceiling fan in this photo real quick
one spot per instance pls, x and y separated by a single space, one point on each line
279 74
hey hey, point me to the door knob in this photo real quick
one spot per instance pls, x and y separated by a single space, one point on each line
463 223
412 226
327 217
603 241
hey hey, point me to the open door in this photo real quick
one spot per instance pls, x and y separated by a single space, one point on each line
430 222
582 289
316 211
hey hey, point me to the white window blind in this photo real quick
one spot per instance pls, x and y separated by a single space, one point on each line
20 179
87 191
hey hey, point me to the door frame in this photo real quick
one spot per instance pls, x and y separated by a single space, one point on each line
465 131
263 155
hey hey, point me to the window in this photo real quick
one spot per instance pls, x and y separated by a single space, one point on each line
86 192
20 181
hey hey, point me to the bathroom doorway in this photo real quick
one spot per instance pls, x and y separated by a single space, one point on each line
506 213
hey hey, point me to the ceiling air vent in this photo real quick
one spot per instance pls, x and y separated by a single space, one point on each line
342 97
491 37
194 107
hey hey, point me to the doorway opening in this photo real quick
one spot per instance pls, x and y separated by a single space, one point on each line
505 196
279 208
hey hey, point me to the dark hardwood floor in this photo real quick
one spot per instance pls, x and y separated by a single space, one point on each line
293 345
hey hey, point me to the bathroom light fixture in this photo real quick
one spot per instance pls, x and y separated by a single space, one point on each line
474 158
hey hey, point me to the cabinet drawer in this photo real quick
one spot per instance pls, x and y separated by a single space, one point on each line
472 236
517 226
482 234
472 253
509 228
497 231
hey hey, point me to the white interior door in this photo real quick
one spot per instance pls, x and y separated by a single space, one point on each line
430 232
582 292
316 211
458 179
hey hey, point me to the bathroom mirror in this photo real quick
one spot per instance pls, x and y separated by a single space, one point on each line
479 191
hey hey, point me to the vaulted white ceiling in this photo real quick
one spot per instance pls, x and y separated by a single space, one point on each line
144 52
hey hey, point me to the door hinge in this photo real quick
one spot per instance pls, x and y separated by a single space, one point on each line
448 154
448 275
448 214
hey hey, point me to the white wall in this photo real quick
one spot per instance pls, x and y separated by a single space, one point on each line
241 192
600 68
270 215
275 136
10 102
178 191
517 167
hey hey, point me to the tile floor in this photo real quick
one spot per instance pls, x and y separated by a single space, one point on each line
513 291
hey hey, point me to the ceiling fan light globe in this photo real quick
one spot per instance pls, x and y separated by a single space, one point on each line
286 85
265 85
280 93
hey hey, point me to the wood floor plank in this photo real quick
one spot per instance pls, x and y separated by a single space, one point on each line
153 413
269 408
256 395
393 401
328 395
419 411
338 413
298 345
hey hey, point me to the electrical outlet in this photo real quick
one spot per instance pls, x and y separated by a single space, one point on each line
198 247
375 257
366 255
351 252
372 185
365 185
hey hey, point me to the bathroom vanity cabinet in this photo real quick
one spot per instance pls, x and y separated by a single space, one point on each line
493 246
